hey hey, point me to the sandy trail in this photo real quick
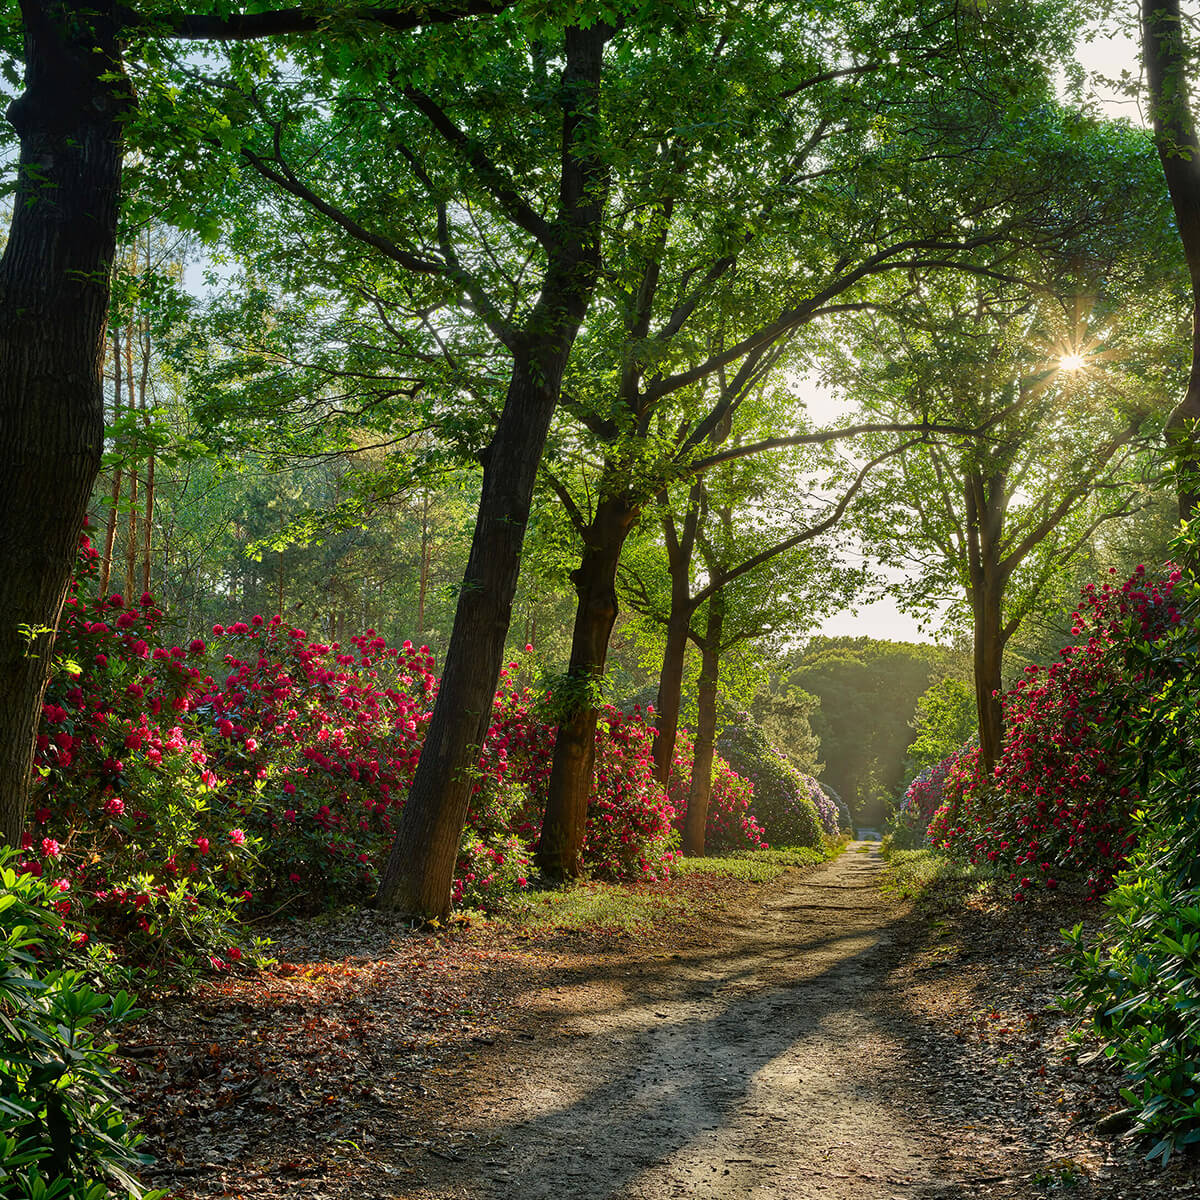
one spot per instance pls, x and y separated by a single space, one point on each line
773 1064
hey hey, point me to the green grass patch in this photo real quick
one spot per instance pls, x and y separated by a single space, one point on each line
593 905
931 878
696 885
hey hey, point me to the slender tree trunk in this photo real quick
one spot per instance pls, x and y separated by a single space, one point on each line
670 691
110 529
420 868
695 823
54 288
670 678
131 542
988 660
423 580
986 500
565 821
143 402
1166 60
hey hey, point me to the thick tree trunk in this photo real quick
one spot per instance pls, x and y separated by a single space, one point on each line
695 822
988 660
1166 61
420 868
565 821
54 289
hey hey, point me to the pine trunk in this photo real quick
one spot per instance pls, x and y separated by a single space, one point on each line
54 289
565 821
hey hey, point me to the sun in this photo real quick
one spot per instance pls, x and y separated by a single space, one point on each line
1071 362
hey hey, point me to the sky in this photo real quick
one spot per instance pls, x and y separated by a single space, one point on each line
1108 55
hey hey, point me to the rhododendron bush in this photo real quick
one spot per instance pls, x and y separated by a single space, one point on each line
1054 803
260 769
731 823
936 796
1140 978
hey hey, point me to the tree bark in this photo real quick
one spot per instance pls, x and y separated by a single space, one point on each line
110 529
1166 60
670 691
695 823
565 821
420 868
54 291
986 501
988 660
670 679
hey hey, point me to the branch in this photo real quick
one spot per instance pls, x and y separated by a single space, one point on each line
243 27
826 435
519 210
804 535
565 498
883 260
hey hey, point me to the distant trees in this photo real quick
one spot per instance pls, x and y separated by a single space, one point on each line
868 691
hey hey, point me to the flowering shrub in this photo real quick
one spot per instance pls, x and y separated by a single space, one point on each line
263 769
1139 980
731 824
783 804
1054 803
124 821
941 786
630 827
827 811
845 820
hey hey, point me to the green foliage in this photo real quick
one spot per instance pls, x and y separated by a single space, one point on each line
945 718
930 877
781 798
786 714
62 1133
868 692
1140 981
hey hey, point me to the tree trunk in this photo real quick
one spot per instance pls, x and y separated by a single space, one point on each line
423 579
670 690
986 501
131 542
988 659
54 289
1166 62
420 868
148 503
110 529
670 679
565 821
695 823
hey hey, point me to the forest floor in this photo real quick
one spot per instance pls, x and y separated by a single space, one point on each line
808 1038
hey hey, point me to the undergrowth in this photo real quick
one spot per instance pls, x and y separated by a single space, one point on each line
934 881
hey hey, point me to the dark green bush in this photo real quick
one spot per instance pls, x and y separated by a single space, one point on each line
781 798
62 1132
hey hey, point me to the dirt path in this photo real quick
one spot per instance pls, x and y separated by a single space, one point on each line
774 1064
